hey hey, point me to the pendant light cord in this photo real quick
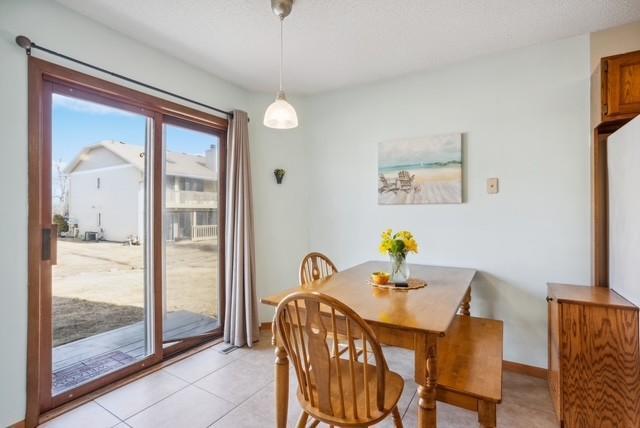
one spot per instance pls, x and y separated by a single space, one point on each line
281 48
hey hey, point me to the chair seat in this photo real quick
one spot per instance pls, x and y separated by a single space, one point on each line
393 390
470 358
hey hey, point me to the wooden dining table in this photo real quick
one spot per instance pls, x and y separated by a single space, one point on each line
410 319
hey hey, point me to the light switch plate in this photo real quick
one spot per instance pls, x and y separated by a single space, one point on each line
492 185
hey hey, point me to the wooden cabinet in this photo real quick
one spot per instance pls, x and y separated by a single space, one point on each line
620 95
594 357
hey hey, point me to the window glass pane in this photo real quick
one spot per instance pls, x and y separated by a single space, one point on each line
99 204
191 233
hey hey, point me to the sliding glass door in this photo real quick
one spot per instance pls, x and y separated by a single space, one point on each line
126 232
192 220
100 209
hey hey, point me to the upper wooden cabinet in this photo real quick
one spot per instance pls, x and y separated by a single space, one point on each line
620 86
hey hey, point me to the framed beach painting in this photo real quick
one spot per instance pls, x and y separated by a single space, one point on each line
426 170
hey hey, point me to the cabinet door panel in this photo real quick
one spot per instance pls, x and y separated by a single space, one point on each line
622 82
599 362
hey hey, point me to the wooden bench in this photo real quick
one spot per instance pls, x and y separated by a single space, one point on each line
470 366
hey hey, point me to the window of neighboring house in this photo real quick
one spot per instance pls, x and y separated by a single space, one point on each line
99 219
182 183
98 183
192 184
205 217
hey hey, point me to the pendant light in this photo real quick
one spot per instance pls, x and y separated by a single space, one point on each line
280 114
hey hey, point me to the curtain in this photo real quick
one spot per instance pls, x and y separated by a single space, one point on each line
241 326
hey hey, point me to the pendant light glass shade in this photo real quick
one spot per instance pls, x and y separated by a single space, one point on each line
280 114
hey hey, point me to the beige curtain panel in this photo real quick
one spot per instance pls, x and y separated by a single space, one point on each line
241 326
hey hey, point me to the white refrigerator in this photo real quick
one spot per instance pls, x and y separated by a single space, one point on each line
624 211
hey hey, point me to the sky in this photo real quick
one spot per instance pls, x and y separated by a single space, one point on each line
433 148
78 123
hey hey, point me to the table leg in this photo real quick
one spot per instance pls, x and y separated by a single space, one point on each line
466 303
282 384
487 414
427 385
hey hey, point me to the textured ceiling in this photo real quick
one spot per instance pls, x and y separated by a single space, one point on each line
335 43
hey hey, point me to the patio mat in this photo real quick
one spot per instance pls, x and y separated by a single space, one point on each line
88 369
75 319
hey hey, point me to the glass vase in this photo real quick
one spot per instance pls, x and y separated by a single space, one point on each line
399 268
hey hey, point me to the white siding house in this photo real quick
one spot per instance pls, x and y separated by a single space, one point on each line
106 193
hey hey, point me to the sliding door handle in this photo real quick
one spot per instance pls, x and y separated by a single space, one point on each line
54 244
50 244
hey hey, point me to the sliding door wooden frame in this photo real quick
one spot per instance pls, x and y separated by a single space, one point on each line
43 77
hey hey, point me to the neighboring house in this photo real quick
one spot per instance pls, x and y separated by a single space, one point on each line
106 193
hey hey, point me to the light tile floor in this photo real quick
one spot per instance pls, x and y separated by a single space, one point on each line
236 390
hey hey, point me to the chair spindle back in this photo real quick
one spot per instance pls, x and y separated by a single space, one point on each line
331 384
315 266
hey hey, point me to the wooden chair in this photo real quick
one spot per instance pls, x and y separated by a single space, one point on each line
315 266
337 391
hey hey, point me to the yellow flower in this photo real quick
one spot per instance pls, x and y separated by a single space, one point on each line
412 246
404 235
390 243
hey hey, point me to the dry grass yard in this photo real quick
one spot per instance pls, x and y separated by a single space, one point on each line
99 285
76 319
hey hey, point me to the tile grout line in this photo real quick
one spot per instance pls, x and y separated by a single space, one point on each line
153 404
241 403
409 405
202 377
108 411
217 396
218 369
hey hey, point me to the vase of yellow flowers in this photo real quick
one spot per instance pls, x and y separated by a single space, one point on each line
397 246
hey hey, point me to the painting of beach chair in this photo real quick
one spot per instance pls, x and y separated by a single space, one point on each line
385 186
422 170
406 181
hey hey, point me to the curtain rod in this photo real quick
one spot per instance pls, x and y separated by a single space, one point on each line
26 43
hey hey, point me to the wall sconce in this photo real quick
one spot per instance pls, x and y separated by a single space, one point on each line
279 173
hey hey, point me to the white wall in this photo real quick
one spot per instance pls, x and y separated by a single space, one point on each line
280 210
525 119
119 201
56 27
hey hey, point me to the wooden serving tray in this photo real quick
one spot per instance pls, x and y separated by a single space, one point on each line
414 283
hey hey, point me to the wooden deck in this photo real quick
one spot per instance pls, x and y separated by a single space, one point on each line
77 362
